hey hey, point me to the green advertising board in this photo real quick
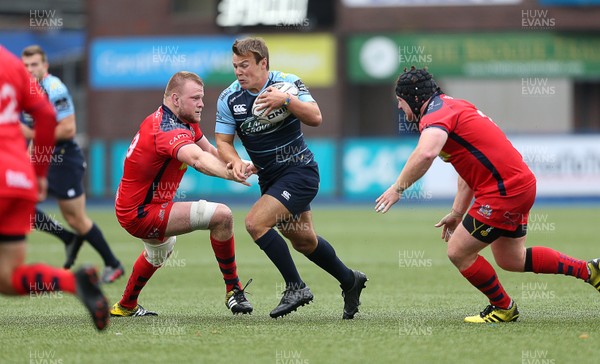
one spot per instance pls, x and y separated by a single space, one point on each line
381 57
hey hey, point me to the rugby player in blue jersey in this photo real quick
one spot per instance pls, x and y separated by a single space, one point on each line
288 174
65 176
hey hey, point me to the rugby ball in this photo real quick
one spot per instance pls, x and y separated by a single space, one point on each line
276 115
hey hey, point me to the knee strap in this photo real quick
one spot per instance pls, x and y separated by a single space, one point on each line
201 212
157 255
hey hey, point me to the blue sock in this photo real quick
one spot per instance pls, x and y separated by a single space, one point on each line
96 239
277 250
324 256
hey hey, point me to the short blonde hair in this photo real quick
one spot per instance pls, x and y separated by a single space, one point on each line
256 46
178 79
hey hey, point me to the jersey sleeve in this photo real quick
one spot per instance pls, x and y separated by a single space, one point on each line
169 142
303 92
225 123
60 98
443 117
198 134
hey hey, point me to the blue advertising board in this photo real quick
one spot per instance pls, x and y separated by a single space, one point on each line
149 62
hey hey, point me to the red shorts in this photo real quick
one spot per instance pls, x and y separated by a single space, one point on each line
503 212
17 215
150 223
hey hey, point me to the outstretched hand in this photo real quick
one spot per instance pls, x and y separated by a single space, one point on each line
384 202
449 223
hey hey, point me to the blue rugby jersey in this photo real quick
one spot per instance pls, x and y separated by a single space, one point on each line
271 147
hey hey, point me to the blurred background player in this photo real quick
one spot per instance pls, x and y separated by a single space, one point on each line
22 185
65 176
287 172
168 141
491 170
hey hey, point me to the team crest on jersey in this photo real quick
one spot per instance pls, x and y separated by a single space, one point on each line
485 211
252 126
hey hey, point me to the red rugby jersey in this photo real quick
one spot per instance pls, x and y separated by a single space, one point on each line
477 148
152 173
18 92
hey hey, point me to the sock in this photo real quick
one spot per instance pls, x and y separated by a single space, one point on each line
141 273
225 254
96 239
47 224
42 278
277 250
540 259
481 274
324 256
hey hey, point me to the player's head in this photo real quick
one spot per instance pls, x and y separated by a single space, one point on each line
183 95
35 61
415 87
251 63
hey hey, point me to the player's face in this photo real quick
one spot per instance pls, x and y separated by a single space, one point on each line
189 102
403 105
36 66
252 76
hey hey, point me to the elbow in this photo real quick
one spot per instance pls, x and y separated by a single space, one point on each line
315 121
70 133
427 156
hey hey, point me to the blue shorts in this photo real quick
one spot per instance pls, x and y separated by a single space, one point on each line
65 175
295 188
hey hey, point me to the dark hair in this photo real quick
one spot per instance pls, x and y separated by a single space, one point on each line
256 46
416 86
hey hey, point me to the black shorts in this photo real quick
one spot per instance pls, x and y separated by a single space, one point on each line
488 234
295 188
65 175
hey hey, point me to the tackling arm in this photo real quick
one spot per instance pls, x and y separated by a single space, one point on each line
463 198
430 144
194 156
206 146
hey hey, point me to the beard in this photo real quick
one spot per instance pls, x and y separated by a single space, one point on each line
190 117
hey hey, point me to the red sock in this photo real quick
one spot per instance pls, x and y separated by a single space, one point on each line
225 254
481 274
42 278
540 259
141 273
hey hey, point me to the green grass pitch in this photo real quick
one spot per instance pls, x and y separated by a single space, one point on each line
412 308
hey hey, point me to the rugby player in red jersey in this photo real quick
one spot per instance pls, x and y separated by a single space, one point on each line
23 185
492 172
170 140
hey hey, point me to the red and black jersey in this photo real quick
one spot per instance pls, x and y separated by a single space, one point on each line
152 173
477 148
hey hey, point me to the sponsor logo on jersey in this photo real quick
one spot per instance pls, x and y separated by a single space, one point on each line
286 195
18 179
177 137
239 109
252 126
